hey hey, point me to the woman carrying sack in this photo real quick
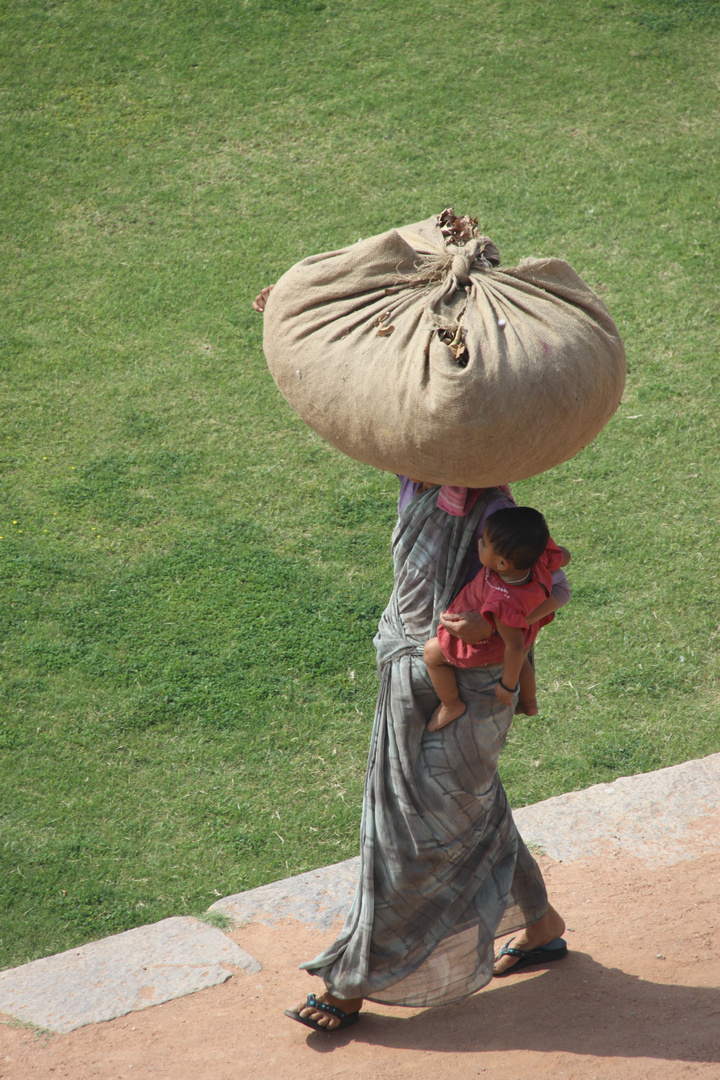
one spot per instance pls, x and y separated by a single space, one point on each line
414 352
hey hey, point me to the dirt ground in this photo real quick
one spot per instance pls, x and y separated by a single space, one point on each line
638 996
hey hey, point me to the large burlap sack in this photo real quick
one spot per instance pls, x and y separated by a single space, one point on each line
412 352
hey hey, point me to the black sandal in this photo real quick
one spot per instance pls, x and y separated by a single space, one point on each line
346 1019
556 950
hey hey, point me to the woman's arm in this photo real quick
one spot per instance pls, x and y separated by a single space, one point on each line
469 626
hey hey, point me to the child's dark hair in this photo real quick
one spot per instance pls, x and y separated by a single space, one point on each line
518 533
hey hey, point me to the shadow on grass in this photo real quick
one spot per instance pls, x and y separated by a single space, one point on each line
583 1008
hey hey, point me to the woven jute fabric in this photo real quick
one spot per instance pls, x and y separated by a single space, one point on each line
425 358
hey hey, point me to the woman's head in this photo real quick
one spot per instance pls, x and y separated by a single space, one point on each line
518 536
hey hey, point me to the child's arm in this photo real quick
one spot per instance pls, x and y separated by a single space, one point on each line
552 603
513 661
546 608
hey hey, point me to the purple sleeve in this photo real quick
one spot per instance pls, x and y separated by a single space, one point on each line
408 490
560 587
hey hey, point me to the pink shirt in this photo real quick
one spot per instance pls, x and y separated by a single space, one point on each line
499 602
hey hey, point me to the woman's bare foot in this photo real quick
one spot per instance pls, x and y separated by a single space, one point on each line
445 714
542 932
529 707
324 1019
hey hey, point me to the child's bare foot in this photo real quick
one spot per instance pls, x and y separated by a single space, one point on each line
529 707
445 714
542 932
325 1019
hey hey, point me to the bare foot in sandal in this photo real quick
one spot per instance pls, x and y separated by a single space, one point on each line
324 1012
535 936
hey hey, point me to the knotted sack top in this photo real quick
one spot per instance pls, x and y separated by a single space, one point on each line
413 351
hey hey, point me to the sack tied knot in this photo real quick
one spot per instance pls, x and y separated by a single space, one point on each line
482 254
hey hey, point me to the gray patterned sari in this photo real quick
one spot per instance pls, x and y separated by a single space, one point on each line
443 868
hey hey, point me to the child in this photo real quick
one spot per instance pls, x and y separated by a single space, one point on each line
518 558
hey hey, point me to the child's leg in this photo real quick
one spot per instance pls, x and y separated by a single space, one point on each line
441 673
527 698
445 683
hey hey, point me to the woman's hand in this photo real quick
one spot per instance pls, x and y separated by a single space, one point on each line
261 299
469 626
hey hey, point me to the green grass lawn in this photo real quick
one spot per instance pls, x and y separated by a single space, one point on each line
192 579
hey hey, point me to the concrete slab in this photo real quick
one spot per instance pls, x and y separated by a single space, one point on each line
121 974
650 815
317 898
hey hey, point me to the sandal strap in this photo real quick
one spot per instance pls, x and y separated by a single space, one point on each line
508 951
322 1006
